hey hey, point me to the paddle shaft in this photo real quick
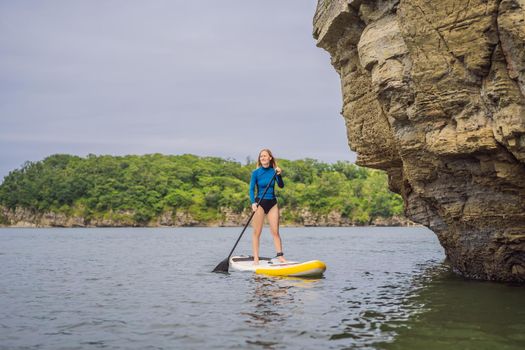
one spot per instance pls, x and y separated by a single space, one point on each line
251 216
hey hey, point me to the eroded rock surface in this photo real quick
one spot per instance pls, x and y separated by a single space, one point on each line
434 94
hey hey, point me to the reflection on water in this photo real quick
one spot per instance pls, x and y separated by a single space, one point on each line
433 309
385 288
271 295
272 298
453 313
268 297
374 313
272 304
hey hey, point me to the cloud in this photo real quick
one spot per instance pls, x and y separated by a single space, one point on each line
203 77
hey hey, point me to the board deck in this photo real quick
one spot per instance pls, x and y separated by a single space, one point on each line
273 267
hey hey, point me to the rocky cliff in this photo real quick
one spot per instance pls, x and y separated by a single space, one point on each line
21 217
434 94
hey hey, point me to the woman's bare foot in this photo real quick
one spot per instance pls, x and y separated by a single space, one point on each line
282 259
256 261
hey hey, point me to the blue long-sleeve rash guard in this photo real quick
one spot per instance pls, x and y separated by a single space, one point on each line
260 179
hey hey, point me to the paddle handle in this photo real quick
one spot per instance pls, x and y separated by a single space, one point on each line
251 216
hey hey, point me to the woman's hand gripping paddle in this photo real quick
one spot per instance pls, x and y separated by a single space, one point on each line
225 264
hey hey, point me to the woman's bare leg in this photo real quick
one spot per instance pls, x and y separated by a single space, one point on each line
257 224
273 219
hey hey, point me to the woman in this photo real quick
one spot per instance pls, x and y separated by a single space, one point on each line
261 177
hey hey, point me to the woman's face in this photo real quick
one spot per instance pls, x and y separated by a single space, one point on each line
265 158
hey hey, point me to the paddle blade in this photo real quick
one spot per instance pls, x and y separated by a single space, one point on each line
223 266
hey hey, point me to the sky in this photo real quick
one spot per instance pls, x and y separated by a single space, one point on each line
211 78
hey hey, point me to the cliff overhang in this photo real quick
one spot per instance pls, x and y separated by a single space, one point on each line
434 94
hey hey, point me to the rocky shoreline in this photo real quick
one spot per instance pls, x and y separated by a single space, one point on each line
24 218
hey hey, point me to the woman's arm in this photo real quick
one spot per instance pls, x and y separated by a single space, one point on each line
280 181
253 182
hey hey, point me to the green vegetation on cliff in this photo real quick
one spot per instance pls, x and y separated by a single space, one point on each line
139 189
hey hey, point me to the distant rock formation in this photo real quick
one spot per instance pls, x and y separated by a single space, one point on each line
22 217
434 93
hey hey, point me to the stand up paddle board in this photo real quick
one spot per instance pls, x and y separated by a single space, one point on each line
272 267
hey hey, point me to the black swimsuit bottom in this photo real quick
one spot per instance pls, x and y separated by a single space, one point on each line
267 204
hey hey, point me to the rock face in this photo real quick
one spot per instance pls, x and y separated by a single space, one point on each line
434 94
22 217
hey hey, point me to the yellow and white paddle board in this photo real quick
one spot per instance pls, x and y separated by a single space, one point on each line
272 267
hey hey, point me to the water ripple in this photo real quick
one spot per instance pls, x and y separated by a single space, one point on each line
135 289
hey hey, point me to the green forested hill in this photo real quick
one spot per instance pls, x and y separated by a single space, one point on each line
139 189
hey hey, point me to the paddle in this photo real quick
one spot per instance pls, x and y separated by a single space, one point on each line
225 264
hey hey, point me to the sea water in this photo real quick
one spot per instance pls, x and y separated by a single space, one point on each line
148 288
